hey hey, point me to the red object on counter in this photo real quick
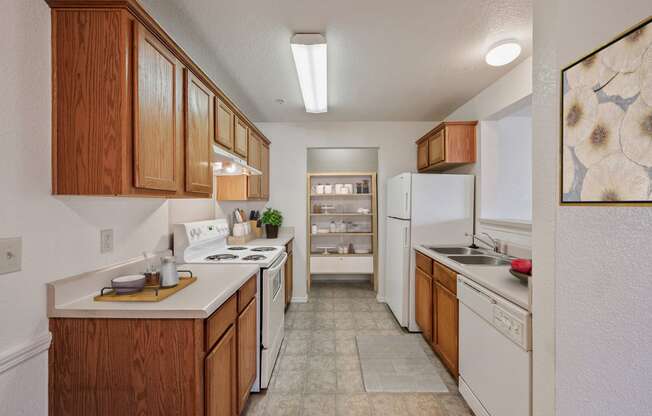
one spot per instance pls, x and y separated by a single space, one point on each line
522 265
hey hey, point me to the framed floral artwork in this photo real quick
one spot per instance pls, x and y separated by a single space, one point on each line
606 123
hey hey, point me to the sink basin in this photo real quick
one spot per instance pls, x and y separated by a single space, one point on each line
455 250
480 260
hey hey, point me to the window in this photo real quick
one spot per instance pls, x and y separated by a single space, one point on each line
506 165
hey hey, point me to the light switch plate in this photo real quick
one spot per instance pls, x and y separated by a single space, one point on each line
106 241
11 254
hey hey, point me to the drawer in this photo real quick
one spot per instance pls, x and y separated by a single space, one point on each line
446 276
423 262
341 265
220 321
246 293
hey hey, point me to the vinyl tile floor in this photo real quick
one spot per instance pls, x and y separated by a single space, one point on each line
318 370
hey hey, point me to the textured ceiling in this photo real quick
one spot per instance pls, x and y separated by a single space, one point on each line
388 60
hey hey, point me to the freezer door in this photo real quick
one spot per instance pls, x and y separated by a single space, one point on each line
397 266
442 209
398 196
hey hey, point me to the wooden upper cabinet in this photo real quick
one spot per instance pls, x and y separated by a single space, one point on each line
224 125
448 145
437 148
422 155
155 114
120 103
220 371
199 135
241 137
254 181
264 167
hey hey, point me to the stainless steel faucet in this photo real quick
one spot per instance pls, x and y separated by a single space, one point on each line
493 243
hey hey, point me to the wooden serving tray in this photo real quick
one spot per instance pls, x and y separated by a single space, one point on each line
148 294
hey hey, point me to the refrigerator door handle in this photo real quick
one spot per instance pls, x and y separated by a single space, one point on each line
406 203
405 237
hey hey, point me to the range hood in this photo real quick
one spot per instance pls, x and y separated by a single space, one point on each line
228 164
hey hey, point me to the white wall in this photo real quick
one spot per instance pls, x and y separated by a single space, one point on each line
506 92
290 141
592 265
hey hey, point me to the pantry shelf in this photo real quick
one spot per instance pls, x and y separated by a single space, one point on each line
351 234
330 208
341 214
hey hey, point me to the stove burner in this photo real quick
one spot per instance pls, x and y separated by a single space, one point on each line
237 248
254 257
220 257
263 249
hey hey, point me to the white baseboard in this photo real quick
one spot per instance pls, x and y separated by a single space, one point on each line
17 355
380 299
299 299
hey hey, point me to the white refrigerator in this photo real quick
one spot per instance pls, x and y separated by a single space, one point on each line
427 209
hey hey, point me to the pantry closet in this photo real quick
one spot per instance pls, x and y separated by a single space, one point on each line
342 219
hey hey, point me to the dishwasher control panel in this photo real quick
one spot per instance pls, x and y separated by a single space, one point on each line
510 326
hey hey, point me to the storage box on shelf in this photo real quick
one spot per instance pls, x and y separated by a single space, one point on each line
342 224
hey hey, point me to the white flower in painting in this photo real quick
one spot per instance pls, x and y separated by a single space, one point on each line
646 77
604 139
625 55
569 169
580 112
625 84
591 72
636 133
616 178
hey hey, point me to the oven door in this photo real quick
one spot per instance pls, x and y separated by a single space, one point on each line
273 317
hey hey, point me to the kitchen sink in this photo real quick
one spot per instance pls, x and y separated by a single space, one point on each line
480 260
455 250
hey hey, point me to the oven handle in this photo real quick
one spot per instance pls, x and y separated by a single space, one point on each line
273 270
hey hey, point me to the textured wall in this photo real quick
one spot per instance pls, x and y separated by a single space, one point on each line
598 258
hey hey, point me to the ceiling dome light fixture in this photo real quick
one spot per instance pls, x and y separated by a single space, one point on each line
310 58
503 53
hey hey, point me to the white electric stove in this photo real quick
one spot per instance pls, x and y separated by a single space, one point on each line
205 242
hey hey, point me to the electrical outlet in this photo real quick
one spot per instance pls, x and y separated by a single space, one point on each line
11 253
106 241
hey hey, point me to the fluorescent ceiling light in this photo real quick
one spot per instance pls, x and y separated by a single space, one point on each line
503 53
310 58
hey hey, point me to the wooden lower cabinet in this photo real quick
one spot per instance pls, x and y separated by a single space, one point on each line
289 274
423 303
447 328
436 310
108 367
246 353
220 369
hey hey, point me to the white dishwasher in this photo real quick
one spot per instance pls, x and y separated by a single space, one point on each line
495 352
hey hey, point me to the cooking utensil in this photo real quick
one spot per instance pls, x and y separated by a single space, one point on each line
169 273
128 284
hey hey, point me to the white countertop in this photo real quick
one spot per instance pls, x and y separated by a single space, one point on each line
214 285
284 237
495 278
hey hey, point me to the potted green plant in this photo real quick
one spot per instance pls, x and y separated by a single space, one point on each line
272 219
